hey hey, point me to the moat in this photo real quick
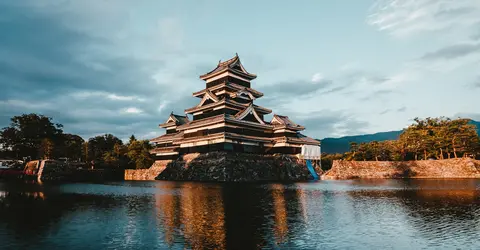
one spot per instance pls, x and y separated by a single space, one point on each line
350 214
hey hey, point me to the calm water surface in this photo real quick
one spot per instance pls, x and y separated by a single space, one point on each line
359 214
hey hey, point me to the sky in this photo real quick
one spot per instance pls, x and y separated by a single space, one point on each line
337 67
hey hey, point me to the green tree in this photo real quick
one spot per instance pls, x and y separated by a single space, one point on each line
352 155
117 157
99 145
131 139
430 137
71 146
139 154
375 149
26 132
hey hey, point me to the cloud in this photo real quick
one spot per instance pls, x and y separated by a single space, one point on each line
352 79
133 110
377 94
476 33
296 89
323 123
399 110
453 51
83 65
476 84
317 77
473 116
402 109
171 33
404 18
82 95
333 90
384 111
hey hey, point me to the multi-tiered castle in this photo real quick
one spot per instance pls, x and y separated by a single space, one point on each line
226 119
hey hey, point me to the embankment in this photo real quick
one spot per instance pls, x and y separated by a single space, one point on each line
236 167
146 174
450 168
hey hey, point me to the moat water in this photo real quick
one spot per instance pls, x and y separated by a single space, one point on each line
356 214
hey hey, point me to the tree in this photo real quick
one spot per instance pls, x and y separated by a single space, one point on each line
117 157
45 150
131 139
327 160
71 146
26 132
349 156
99 145
374 147
139 154
85 151
430 137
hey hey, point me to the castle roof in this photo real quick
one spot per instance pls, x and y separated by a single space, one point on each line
175 120
283 121
232 65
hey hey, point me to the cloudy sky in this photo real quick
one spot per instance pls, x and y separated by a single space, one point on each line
338 67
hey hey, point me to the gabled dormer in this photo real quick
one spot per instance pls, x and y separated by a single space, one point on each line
173 122
244 95
283 122
208 98
249 114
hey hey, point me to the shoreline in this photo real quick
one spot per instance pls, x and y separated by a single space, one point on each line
460 168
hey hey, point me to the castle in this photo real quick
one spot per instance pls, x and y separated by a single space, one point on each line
226 119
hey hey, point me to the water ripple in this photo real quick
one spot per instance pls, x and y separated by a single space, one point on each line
355 214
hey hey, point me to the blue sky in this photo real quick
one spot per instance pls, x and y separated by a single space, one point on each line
337 67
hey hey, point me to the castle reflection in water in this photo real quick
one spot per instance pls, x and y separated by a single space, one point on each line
201 216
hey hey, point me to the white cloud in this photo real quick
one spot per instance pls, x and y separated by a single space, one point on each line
124 98
317 77
413 17
133 110
105 95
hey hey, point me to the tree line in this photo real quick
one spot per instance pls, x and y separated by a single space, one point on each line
430 138
33 136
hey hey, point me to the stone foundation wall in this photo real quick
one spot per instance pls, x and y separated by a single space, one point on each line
146 174
236 167
451 168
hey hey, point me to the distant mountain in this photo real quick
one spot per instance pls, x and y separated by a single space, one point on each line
342 144
476 123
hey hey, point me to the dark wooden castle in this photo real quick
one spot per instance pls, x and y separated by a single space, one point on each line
226 119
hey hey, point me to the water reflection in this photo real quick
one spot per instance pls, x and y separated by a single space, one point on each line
360 214
280 213
230 216
444 212
195 215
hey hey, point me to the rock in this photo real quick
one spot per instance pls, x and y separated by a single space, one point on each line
236 167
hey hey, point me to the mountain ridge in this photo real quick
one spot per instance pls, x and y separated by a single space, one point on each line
332 145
